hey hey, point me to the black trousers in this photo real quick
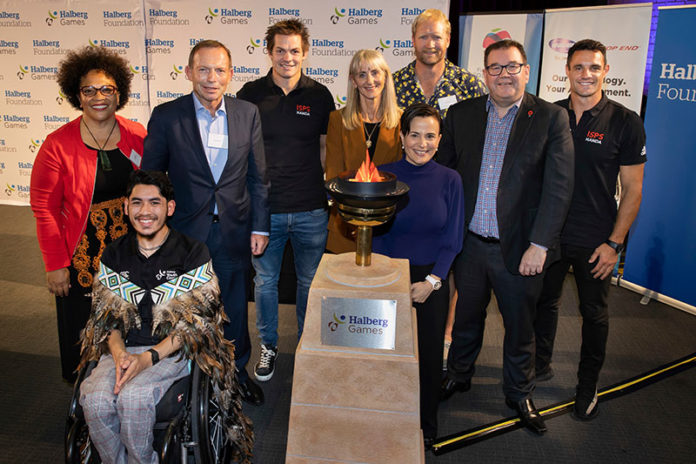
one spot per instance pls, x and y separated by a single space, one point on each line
593 295
72 311
431 317
480 268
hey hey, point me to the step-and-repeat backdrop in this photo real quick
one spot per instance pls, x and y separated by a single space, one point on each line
156 37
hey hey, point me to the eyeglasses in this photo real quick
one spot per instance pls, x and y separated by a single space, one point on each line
90 90
512 68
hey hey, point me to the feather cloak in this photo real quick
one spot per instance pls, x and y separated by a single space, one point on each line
188 307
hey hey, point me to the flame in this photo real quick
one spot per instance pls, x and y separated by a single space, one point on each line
367 172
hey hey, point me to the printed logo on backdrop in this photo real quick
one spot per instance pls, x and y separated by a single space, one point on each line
256 44
276 14
408 15
229 16
67 18
328 47
681 90
326 76
8 47
4 147
115 18
24 168
52 122
354 322
17 190
35 144
20 97
47 47
2 164
119 46
395 47
164 17
163 96
496 35
157 46
12 19
136 99
245 73
15 121
60 99
37 73
340 101
357 16
177 70
141 72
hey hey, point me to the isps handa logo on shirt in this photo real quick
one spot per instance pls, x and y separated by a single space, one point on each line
303 110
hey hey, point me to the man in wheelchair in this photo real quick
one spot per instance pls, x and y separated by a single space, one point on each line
156 304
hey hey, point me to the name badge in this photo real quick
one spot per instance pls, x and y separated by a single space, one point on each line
135 158
217 140
446 102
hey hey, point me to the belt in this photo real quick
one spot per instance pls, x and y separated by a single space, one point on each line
485 239
216 218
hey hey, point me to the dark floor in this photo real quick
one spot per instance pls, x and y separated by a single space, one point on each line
652 425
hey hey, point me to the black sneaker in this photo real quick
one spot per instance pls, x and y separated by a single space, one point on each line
263 370
586 404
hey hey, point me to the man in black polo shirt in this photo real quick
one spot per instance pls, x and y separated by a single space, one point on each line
609 141
294 116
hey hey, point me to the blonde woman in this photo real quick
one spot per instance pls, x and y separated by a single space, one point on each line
369 121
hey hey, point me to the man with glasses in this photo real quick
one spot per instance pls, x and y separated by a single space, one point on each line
516 162
610 141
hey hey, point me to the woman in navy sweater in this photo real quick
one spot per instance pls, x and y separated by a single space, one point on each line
427 230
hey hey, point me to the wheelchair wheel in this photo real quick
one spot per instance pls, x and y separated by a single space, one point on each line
78 446
213 444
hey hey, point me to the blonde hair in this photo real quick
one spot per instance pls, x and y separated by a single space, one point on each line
431 14
390 110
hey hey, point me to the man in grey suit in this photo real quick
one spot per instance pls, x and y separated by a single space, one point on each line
515 155
212 147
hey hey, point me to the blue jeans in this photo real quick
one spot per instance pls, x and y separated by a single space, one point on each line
307 233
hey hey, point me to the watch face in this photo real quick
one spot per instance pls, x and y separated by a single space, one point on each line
437 285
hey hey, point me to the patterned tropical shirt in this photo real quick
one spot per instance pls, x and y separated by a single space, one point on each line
455 81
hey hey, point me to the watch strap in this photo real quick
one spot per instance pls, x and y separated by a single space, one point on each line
434 282
155 356
618 247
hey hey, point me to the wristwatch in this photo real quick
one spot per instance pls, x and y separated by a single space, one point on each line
437 284
618 247
155 356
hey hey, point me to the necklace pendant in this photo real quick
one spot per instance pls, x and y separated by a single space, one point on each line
368 143
104 159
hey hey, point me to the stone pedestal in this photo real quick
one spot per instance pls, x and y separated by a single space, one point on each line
353 404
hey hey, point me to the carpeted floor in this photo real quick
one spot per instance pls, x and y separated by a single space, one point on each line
651 425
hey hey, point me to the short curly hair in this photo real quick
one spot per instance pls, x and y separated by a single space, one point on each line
78 63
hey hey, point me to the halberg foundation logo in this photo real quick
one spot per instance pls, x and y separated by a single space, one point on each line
114 18
67 18
21 97
166 95
279 14
162 17
338 14
496 35
245 73
326 47
8 47
177 70
397 47
4 147
408 15
228 16
358 324
682 74
47 47
53 122
12 19
24 169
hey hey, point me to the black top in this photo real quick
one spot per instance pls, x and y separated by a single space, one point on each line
292 125
178 255
111 183
608 136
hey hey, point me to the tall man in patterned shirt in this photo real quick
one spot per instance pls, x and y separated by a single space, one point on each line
609 141
432 78
515 156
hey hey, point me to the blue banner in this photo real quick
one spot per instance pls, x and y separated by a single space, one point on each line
661 253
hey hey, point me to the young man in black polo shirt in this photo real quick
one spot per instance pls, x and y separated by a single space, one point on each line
609 141
294 116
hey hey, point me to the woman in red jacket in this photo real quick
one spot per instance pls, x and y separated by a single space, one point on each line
78 183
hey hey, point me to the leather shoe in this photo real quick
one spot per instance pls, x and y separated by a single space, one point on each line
449 387
251 392
528 414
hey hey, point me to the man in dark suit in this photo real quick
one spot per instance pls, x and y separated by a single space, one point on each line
212 148
515 155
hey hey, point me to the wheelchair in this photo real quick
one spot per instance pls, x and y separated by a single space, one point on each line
188 428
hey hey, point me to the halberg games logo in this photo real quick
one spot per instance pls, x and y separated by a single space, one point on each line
37 73
397 47
8 48
256 43
12 19
142 72
496 35
60 98
358 324
326 76
176 72
22 190
228 15
119 46
340 101
12 121
162 17
67 17
35 144
159 46
357 15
